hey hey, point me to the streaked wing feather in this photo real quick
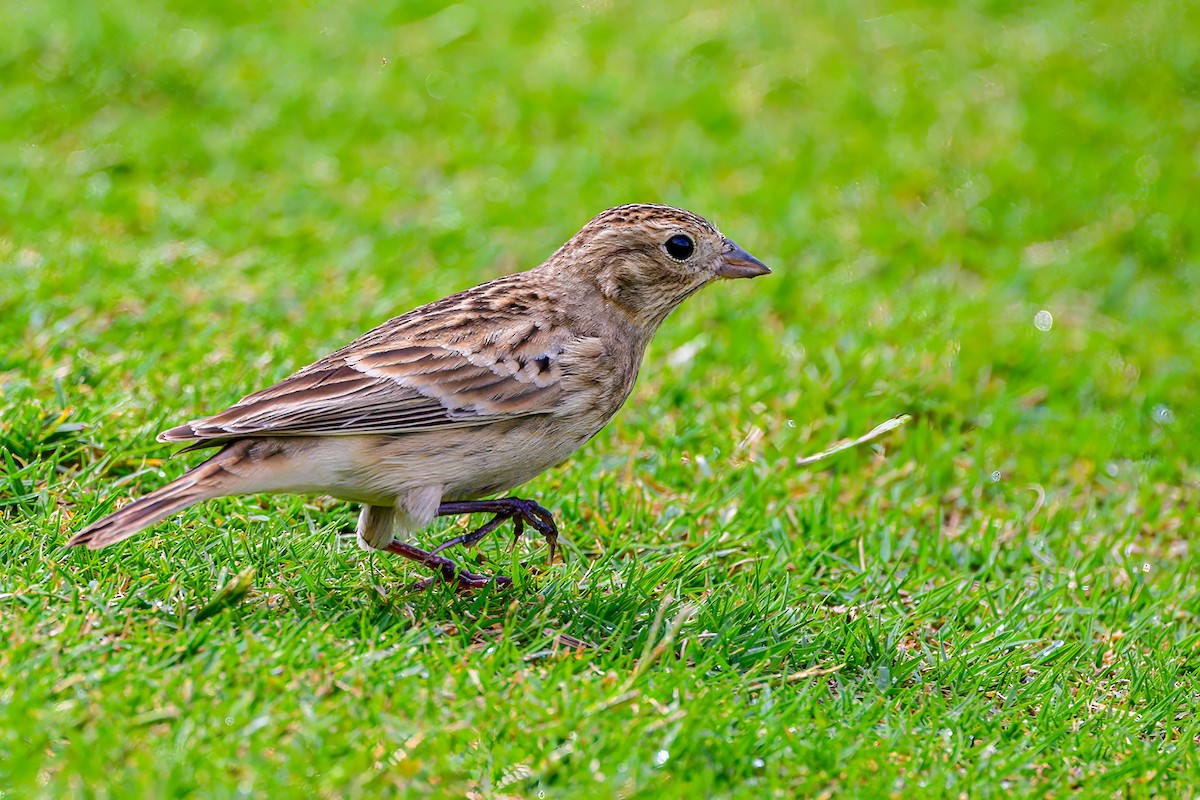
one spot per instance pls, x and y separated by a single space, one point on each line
408 375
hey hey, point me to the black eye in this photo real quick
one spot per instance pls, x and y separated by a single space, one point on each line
680 247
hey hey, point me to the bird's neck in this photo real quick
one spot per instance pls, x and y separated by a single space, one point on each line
645 303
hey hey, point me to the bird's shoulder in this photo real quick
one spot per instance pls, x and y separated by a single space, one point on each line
478 316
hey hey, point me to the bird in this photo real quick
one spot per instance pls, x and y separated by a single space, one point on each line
445 409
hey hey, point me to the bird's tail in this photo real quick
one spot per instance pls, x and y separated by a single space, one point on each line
203 482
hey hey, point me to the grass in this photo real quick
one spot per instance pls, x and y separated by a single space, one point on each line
998 599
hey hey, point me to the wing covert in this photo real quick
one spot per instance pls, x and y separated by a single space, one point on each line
408 375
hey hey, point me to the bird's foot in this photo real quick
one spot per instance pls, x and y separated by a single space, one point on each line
464 582
520 511
447 571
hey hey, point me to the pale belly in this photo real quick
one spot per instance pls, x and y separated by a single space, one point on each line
467 463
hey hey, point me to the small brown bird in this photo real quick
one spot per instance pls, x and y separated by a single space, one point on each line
461 399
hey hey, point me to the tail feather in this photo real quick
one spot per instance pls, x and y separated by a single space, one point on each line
201 483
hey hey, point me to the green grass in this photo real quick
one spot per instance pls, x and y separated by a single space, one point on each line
999 599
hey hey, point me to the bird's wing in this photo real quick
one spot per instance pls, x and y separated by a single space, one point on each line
449 365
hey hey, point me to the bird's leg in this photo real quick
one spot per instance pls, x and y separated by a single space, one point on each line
518 510
447 570
376 524
468 539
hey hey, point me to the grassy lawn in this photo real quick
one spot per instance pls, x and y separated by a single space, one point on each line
983 216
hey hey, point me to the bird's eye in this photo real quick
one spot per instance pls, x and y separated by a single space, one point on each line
680 247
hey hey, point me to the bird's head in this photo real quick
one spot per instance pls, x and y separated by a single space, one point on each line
647 259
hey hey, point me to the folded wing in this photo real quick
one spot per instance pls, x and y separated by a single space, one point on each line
422 371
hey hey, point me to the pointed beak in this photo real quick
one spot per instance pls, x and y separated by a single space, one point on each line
737 263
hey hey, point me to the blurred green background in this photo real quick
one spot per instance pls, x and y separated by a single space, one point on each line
980 214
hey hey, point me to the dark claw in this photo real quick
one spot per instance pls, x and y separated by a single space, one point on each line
518 531
542 522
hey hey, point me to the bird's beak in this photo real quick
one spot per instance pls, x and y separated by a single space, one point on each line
737 263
